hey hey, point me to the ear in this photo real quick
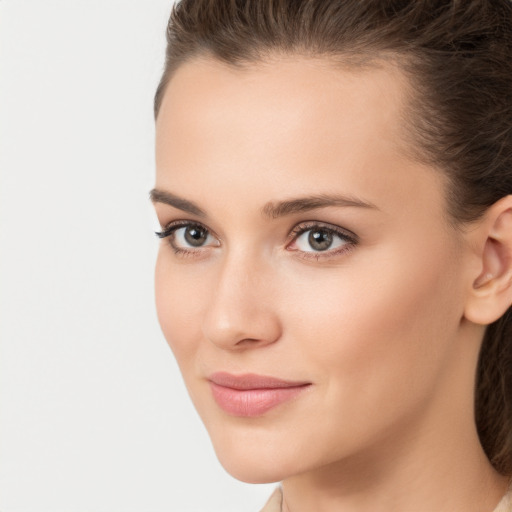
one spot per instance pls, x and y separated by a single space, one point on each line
490 294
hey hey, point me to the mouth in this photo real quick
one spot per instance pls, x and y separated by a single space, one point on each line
251 395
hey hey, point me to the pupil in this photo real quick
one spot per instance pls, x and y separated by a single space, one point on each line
320 240
195 236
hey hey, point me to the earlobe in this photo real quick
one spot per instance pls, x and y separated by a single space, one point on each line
491 291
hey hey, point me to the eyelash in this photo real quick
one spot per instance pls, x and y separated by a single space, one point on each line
350 239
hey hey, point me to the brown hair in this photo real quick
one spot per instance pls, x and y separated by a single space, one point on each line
458 57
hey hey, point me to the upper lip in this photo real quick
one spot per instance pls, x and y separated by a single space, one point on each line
252 381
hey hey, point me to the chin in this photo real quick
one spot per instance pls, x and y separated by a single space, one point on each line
252 471
254 458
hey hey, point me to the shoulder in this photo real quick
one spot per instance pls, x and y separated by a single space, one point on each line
505 505
274 502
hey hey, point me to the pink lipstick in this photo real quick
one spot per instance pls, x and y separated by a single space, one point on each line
252 395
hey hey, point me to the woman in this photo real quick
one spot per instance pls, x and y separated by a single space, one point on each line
334 186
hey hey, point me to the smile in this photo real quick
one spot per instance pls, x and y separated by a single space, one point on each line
252 395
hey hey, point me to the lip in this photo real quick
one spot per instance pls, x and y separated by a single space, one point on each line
251 395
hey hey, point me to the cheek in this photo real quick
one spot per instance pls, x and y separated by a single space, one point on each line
371 332
178 306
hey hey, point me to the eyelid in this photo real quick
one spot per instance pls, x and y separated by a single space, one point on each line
308 225
174 225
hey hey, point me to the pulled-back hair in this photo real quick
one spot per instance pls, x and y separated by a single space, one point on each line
457 55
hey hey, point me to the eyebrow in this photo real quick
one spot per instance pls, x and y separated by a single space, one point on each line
272 209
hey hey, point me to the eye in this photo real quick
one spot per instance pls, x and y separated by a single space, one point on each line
193 236
185 237
316 241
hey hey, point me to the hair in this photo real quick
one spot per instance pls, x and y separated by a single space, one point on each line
457 55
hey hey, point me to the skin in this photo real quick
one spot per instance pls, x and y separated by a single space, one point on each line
387 332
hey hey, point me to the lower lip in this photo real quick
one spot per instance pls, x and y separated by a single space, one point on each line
252 402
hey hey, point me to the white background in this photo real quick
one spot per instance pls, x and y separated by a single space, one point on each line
94 416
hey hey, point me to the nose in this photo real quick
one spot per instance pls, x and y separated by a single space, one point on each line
241 311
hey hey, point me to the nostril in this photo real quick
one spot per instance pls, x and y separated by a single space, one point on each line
248 341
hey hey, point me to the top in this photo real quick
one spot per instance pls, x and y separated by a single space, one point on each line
276 499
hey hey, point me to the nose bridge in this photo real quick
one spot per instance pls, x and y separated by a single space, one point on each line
240 308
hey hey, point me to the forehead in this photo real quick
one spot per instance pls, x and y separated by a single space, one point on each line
297 93
290 125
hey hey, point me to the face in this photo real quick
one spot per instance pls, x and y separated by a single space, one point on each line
308 280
